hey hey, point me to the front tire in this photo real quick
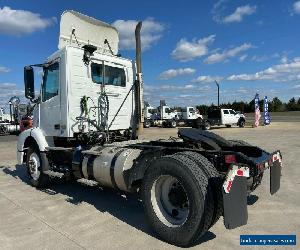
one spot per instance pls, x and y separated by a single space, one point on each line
34 164
173 124
177 200
241 123
207 125
147 124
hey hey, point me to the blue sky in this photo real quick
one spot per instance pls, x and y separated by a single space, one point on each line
248 46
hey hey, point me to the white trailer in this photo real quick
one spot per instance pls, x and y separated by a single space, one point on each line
86 125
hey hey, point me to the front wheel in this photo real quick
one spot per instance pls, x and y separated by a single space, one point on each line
147 124
207 125
177 200
34 164
241 123
173 124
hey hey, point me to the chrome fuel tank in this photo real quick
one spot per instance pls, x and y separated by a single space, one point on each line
107 165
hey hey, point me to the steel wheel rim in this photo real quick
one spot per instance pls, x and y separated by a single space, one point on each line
170 201
34 166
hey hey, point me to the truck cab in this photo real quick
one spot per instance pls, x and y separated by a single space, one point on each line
86 85
190 113
67 80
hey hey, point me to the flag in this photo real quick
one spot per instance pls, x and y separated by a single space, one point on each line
257 111
267 118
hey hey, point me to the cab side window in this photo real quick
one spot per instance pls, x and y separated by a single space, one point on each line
226 112
112 75
50 82
232 112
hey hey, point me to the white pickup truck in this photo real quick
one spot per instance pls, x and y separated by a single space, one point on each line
227 117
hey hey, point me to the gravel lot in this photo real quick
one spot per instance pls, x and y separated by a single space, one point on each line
72 216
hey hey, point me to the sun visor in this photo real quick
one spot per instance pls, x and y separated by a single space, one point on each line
87 31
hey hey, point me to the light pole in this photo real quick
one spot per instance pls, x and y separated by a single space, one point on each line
218 93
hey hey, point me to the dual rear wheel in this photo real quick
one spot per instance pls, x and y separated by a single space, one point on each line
179 199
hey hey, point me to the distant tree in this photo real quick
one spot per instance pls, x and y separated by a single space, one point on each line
277 104
292 105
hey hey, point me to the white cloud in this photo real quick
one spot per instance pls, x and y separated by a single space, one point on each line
284 59
239 13
151 32
20 22
179 95
226 54
207 79
279 73
217 10
296 7
171 73
187 51
296 86
168 87
4 69
243 57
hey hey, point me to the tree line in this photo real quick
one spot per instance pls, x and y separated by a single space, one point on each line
275 105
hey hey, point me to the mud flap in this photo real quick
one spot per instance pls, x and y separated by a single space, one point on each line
275 174
235 204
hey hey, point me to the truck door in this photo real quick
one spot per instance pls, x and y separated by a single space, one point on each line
226 119
233 116
50 100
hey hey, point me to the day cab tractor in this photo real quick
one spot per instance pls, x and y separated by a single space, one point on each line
86 124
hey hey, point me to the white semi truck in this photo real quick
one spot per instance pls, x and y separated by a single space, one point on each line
86 125
163 116
9 123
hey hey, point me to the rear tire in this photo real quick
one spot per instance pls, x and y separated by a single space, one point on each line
214 180
34 164
179 213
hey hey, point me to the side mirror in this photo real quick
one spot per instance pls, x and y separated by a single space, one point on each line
29 82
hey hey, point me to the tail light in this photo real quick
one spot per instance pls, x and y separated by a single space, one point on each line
230 159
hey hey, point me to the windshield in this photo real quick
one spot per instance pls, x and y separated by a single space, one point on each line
191 110
152 111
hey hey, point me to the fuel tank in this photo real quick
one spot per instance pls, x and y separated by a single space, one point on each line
106 165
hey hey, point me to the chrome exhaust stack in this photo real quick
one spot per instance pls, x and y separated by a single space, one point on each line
139 100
